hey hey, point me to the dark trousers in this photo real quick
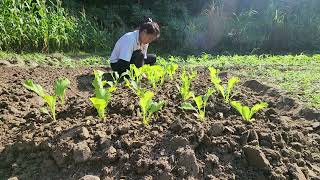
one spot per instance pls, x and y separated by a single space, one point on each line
137 59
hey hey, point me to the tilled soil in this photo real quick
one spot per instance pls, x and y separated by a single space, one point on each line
282 143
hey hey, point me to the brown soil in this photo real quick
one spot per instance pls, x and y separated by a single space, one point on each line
283 142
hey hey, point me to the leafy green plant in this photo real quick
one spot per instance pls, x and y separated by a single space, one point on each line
201 103
171 69
225 91
113 84
100 105
102 96
60 87
148 106
134 82
155 74
246 112
184 89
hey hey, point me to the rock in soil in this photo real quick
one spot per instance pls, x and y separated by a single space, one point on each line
84 133
296 172
81 152
89 177
187 160
216 129
177 142
256 158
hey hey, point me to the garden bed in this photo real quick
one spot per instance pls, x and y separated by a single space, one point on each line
280 144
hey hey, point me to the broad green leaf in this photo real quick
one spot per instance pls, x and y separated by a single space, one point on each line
99 105
258 107
231 82
145 101
60 87
246 113
187 106
51 101
213 73
237 106
100 93
98 82
199 101
156 106
208 94
171 69
220 88
34 87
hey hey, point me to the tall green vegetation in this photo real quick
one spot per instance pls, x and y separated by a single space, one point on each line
39 25
269 26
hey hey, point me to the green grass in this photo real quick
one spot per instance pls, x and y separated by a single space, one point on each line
298 75
56 59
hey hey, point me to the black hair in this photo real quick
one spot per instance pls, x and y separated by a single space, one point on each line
150 27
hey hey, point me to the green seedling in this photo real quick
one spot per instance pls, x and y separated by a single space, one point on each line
226 92
134 73
60 86
34 87
171 69
102 96
201 103
100 105
113 84
148 106
184 89
246 112
155 74
134 82
51 101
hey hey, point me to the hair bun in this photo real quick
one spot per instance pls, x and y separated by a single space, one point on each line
149 20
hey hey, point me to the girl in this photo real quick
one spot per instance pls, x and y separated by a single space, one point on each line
132 47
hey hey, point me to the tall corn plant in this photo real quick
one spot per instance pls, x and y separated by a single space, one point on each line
34 25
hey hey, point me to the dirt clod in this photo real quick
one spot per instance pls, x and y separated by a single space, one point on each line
216 129
187 161
296 172
89 177
81 152
256 157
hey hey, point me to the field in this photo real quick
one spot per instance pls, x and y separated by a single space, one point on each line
280 142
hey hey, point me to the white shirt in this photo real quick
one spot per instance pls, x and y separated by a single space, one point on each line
126 45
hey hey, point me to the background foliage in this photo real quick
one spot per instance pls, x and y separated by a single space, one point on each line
187 26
